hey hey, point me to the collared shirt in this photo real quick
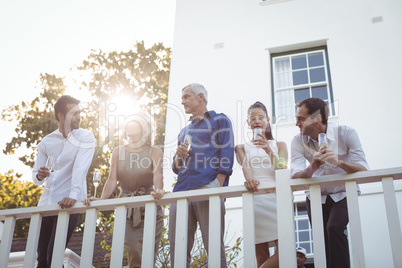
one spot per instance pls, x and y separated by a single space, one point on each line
346 144
212 151
73 156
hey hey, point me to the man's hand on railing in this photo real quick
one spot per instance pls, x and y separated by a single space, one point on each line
67 202
252 185
87 201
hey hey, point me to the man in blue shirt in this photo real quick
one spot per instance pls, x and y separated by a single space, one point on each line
207 164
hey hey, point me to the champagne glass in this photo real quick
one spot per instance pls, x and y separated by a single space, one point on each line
187 142
322 140
50 163
96 179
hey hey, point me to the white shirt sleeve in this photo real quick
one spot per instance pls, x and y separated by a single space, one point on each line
297 157
356 153
81 165
40 162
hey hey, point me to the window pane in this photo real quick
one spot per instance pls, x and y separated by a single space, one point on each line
317 75
315 59
304 236
300 77
282 65
285 114
283 80
306 246
303 224
319 92
299 62
302 94
301 208
285 98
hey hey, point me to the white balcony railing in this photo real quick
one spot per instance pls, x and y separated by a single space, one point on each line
284 189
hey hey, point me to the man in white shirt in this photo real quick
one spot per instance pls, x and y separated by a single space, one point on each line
72 148
343 154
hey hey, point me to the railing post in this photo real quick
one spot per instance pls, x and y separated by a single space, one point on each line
60 239
285 216
248 229
148 247
180 251
356 237
87 250
6 240
116 259
214 240
393 220
33 239
317 226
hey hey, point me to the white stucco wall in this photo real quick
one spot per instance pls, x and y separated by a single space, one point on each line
226 45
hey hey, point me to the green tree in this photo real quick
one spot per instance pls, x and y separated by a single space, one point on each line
35 118
15 193
140 73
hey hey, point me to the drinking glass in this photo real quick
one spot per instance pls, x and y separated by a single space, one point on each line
322 140
96 179
257 133
187 142
50 163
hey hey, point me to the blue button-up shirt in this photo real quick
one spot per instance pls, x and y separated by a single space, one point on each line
212 151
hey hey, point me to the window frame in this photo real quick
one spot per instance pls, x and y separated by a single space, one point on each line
297 218
328 82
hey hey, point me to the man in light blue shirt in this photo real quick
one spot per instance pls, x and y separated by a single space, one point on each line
207 164
72 149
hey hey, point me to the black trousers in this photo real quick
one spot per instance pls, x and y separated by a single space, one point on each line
335 218
46 238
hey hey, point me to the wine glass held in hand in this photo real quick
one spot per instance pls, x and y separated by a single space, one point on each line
187 141
50 163
322 141
96 179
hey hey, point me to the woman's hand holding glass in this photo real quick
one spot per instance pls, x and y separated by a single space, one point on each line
263 143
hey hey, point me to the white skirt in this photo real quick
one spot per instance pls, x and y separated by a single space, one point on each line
265 219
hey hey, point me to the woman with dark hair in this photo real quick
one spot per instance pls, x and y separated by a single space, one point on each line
259 160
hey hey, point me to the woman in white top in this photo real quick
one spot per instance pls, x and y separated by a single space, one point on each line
259 160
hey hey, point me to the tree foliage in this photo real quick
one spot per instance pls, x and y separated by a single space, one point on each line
140 74
15 193
35 118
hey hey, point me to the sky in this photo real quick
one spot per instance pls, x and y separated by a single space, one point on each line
53 36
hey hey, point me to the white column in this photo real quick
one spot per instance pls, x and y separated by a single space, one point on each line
356 237
214 241
33 239
285 215
391 208
87 250
248 230
60 239
317 226
116 259
148 246
6 240
180 252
